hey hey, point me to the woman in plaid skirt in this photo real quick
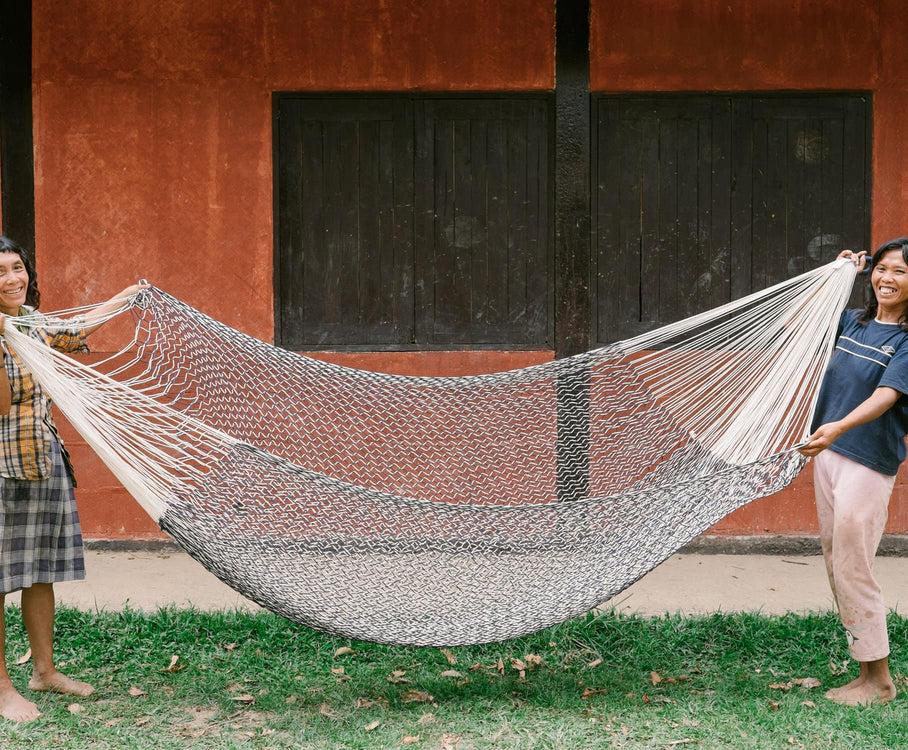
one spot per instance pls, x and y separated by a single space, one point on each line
40 536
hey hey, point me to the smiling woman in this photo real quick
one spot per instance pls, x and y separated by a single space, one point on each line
862 418
40 535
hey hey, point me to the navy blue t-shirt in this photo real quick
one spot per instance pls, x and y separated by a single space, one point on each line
867 357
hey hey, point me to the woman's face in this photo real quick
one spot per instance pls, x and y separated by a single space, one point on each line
890 282
13 283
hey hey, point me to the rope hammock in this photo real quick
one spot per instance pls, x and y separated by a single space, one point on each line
448 511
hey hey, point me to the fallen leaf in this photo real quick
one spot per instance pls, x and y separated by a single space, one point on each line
655 678
532 660
449 655
344 651
76 708
337 670
518 664
427 718
230 647
773 705
594 663
807 683
838 669
243 698
450 741
645 698
173 667
372 725
500 666
142 721
450 673
417 696
786 686
364 703
290 699
809 704
409 740
25 657
136 692
397 676
476 667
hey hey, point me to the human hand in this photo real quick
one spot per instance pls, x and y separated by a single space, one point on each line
824 436
858 258
133 289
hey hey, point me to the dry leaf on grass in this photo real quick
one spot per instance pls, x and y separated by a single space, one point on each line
230 647
372 725
450 741
809 704
837 669
25 657
450 673
655 678
417 696
344 651
246 698
806 683
397 676
173 666
449 655
76 708
409 739
594 663
137 692
500 666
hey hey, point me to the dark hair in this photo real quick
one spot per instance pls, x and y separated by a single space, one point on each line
32 295
869 311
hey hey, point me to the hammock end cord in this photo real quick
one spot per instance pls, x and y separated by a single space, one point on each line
859 269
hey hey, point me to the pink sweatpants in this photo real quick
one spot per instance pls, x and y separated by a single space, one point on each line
852 508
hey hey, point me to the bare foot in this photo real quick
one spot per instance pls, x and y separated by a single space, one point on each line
16 708
863 693
57 682
836 693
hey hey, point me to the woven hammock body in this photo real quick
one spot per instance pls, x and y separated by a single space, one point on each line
446 511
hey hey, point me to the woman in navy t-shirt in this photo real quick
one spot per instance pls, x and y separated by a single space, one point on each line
862 418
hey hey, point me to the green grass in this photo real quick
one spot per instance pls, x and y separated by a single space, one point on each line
257 681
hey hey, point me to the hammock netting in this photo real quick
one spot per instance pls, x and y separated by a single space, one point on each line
448 511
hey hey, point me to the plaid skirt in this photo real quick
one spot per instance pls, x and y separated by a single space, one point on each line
40 535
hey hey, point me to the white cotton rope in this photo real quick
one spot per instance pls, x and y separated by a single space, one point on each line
453 510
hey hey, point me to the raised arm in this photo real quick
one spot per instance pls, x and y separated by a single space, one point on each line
880 401
96 318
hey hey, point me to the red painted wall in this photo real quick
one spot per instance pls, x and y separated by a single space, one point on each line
153 138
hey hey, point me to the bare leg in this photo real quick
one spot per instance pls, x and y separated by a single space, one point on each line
38 614
873 685
12 705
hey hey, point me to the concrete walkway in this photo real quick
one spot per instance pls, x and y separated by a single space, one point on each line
685 583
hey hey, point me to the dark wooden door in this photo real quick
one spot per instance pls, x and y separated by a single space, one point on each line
701 199
413 222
